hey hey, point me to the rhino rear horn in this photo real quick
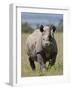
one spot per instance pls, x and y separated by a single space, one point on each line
41 28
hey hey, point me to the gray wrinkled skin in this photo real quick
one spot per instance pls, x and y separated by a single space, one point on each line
42 47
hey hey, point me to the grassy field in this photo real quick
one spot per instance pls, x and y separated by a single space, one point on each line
57 69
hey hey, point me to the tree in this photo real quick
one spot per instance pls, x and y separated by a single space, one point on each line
60 26
38 26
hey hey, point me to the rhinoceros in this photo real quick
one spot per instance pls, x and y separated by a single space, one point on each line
42 47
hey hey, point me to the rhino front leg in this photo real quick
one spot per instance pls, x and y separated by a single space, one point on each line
32 64
41 62
51 62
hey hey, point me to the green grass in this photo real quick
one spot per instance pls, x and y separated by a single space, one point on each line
57 69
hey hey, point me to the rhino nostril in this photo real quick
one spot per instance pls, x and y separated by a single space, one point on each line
47 44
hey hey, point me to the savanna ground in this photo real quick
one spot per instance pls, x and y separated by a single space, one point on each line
57 69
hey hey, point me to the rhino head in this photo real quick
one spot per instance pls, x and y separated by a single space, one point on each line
47 35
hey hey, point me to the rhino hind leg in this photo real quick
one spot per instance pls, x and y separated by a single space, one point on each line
32 64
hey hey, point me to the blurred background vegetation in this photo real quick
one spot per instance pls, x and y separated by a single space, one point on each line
27 28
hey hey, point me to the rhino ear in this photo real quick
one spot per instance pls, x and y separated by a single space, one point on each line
41 28
53 28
